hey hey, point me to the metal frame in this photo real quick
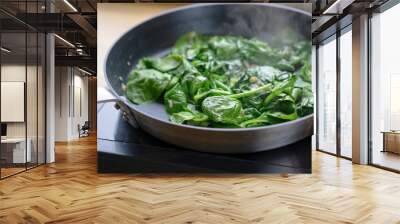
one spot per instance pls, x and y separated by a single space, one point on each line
37 91
26 89
338 98
317 97
45 90
387 5
369 78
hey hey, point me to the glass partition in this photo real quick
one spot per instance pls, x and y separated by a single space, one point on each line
14 153
23 89
327 96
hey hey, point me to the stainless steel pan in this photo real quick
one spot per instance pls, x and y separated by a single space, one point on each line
156 36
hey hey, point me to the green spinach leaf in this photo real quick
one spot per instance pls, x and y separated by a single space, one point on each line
223 109
146 85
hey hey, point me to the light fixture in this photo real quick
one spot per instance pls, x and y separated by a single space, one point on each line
79 51
84 71
70 5
337 7
5 50
329 9
64 40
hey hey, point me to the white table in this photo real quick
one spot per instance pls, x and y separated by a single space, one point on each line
19 155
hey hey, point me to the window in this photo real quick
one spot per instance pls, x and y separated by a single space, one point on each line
385 89
327 96
346 93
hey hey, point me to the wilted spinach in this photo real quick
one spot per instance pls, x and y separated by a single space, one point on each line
146 85
226 81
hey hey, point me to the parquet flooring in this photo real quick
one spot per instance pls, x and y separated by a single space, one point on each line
71 191
11 170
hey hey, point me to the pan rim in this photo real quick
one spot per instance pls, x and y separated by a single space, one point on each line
199 128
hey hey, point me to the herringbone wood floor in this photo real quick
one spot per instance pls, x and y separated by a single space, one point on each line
70 191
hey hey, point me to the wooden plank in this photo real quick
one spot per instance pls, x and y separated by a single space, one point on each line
71 191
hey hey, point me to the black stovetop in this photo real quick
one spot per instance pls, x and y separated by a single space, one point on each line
123 148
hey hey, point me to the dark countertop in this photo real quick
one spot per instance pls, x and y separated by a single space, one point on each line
122 148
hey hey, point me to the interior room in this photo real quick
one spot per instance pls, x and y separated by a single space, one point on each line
74 151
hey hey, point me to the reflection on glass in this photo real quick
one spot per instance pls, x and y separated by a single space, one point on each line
385 84
346 94
327 97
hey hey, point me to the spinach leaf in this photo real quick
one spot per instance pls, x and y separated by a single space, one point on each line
222 109
262 119
181 117
191 84
175 99
146 85
190 117
225 48
269 118
162 64
280 87
279 117
212 92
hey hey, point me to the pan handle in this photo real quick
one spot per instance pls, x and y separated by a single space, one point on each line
127 114
106 96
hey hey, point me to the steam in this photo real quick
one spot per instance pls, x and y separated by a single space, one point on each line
273 25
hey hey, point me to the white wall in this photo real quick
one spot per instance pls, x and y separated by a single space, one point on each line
70 83
62 81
